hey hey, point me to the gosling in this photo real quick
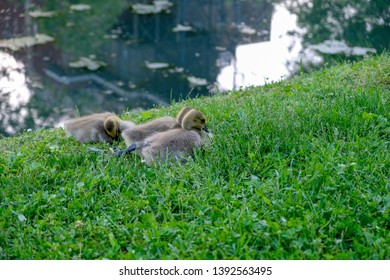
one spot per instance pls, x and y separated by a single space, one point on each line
140 132
100 127
175 143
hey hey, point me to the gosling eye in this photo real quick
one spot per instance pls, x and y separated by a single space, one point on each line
202 120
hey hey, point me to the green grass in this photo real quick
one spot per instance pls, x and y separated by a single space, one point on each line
297 170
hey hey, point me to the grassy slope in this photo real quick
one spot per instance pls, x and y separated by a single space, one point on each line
298 170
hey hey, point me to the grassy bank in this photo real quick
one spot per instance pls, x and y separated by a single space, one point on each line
297 170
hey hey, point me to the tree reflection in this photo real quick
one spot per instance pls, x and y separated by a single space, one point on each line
358 23
80 32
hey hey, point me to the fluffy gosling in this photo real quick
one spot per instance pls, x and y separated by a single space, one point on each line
100 127
175 143
140 132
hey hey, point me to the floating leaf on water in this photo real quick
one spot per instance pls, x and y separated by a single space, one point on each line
86 62
16 44
131 85
157 7
162 4
80 7
108 91
37 14
156 65
144 9
220 49
196 81
182 28
176 70
245 29
340 47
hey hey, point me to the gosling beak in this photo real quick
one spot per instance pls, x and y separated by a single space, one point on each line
206 129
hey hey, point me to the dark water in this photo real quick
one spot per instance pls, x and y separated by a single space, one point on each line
141 56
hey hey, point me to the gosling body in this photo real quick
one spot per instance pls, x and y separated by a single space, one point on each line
177 143
174 144
140 132
100 127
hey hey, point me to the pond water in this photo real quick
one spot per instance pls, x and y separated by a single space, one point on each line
60 59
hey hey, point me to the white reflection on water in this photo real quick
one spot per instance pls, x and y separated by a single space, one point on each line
14 92
13 83
279 58
264 62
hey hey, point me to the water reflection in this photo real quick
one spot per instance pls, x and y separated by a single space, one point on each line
272 60
59 59
15 93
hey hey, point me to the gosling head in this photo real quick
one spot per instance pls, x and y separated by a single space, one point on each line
194 119
111 125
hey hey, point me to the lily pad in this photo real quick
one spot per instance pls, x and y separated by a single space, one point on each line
87 62
38 14
176 70
182 28
80 7
157 7
196 81
156 65
340 47
16 44
245 29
